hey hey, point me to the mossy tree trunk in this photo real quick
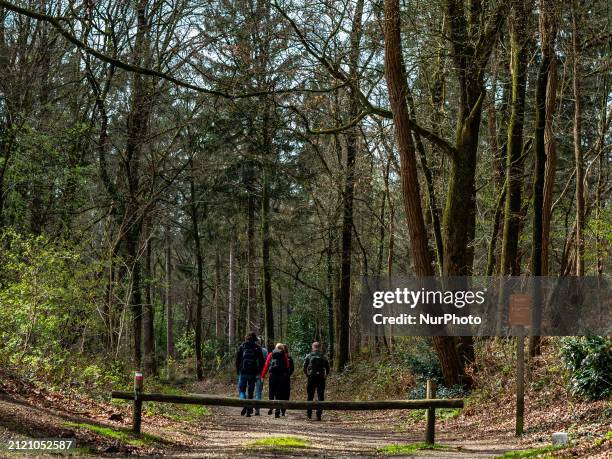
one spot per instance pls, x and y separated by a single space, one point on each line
519 38
547 39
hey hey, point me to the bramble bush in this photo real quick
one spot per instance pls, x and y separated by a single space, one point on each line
589 360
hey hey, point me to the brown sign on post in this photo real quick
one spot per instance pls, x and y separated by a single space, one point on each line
521 305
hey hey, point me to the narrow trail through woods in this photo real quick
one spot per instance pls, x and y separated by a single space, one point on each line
338 435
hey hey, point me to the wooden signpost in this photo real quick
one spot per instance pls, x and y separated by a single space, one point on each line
519 316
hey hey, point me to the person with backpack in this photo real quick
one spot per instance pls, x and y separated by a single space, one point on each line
259 382
278 365
316 369
287 383
249 362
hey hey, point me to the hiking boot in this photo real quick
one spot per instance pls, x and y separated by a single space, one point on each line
256 411
248 415
270 411
244 411
318 417
283 412
309 415
277 415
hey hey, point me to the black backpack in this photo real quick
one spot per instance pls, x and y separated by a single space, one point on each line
277 363
316 365
250 362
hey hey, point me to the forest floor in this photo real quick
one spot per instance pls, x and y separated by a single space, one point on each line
483 429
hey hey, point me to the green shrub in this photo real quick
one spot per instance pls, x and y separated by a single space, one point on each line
422 361
589 360
48 293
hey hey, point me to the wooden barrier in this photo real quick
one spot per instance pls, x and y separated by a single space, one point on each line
430 404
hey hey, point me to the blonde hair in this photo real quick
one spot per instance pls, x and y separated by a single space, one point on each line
279 347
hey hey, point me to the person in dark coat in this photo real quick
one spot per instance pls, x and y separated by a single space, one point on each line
316 369
278 366
259 382
249 362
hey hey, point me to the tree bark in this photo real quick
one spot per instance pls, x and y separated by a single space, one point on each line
251 305
193 204
432 202
265 256
137 128
514 153
395 73
551 164
330 293
170 352
231 307
576 49
343 319
217 299
547 36
150 366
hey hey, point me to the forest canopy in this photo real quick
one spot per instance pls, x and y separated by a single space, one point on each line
176 173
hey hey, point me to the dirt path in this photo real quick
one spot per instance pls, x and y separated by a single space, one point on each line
355 435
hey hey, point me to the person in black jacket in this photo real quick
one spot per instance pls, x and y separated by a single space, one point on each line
249 362
277 364
316 369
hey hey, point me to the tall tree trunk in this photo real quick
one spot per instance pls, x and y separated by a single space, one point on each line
231 307
137 128
217 299
472 39
251 305
551 163
382 226
473 33
576 49
434 212
547 35
193 204
330 292
132 245
395 73
150 366
265 255
514 159
344 305
170 352
495 232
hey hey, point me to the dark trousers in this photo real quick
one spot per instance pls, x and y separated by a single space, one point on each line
285 390
277 389
315 383
246 383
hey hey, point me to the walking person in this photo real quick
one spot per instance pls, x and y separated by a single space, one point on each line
287 384
277 364
249 362
259 383
316 369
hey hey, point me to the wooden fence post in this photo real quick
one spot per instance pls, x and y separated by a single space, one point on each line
430 414
137 415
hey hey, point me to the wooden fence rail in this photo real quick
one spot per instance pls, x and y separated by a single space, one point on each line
429 404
